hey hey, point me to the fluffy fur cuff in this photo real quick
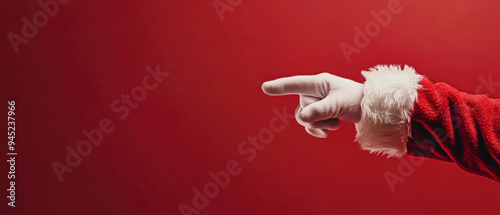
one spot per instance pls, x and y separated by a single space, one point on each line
389 95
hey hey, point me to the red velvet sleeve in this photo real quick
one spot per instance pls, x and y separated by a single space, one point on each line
453 126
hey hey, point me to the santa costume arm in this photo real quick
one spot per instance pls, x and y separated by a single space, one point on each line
412 115
397 111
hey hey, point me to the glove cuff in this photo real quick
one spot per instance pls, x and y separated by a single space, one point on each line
389 96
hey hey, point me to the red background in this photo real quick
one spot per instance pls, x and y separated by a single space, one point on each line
91 52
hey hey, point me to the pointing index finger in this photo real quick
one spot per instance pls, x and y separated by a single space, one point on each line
302 84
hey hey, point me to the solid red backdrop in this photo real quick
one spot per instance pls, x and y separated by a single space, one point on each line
67 76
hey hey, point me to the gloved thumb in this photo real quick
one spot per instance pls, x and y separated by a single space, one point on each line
320 110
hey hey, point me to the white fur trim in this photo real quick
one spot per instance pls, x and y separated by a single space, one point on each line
387 104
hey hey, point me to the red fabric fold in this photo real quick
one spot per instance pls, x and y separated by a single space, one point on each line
457 127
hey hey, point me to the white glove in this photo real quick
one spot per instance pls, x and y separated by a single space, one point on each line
324 100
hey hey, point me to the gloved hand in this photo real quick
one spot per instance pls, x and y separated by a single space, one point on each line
324 100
